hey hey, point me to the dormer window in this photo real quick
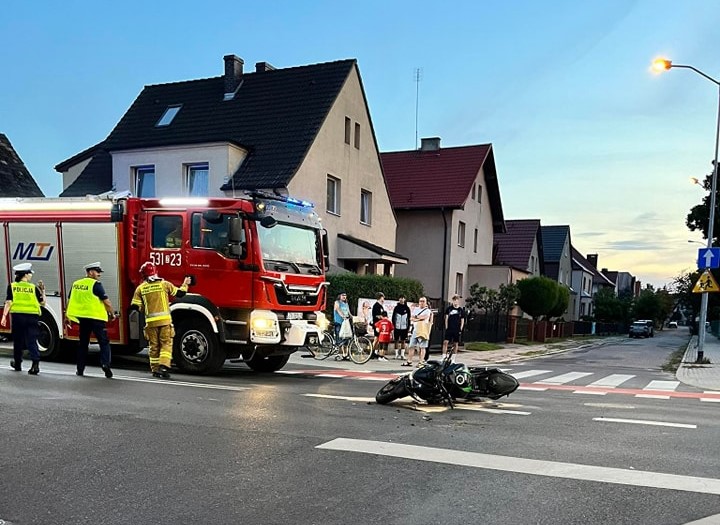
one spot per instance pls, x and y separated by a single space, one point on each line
168 116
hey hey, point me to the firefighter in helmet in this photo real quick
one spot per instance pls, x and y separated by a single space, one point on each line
152 298
23 301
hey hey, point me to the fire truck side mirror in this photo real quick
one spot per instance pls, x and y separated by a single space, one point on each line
325 249
236 234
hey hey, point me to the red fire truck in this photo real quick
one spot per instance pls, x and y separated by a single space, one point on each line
257 266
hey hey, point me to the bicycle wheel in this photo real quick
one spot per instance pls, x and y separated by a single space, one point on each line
360 350
325 348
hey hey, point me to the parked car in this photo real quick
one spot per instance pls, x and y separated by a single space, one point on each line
672 324
639 329
650 324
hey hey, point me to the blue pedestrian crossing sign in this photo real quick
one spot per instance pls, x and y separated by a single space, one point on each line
708 258
706 283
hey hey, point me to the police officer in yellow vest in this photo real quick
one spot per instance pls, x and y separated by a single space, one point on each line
90 306
152 298
23 301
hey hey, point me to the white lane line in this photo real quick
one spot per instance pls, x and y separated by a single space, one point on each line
289 372
330 375
371 378
563 378
492 410
644 422
708 520
532 388
662 385
612 380
168 382
342 398
530 373
710 399
536 467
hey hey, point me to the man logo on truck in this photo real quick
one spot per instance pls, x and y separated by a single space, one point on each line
35 251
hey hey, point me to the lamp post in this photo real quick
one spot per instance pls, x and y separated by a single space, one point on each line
660 65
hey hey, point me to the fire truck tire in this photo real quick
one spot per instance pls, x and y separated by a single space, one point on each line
196 348
271 363
48 337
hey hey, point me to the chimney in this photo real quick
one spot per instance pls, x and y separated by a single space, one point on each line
261 67
592 258
430 144
233 75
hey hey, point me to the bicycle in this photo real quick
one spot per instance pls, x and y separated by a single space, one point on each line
358 348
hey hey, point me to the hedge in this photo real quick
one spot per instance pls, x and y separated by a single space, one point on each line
356 286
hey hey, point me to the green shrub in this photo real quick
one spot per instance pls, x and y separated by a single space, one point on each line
356 286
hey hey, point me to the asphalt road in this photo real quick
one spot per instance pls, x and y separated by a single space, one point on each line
286 448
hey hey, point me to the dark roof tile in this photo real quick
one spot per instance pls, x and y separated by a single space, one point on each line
15 179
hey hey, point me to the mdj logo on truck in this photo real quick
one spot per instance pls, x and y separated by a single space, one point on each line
34 251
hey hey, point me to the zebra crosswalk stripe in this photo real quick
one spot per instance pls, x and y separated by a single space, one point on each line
563 378
612 380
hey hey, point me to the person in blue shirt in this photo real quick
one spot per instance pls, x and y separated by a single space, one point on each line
341 311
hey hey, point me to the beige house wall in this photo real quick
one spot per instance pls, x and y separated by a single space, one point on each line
171 167
73 172
356 169
420 238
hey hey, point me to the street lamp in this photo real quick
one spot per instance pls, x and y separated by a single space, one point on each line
659 65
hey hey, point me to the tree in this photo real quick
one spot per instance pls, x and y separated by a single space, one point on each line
648 306
493 301
538 296
561 304
699 216
607 306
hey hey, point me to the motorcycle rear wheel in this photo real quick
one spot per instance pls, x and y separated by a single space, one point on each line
395 389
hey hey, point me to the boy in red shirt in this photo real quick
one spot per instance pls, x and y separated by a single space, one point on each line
385 329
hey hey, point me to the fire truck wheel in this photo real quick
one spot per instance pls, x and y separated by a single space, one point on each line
268 364
196 348
48 338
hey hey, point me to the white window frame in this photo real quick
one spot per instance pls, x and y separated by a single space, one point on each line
139 173
475 241
335 210
190 171
365 207
461 234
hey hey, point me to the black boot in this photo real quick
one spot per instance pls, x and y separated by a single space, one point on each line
165 372
108 372
17 367
35 368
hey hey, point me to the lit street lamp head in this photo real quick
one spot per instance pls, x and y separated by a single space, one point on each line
661 64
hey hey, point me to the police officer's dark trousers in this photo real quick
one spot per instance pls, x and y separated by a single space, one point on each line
99 329
25 334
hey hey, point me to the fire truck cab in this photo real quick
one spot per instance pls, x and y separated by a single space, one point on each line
257 267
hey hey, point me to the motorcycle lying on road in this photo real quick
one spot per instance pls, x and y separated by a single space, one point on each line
442 382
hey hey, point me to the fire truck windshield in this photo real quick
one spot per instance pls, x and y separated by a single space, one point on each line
287 246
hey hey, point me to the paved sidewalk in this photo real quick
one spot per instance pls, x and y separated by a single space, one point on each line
699 375
509 353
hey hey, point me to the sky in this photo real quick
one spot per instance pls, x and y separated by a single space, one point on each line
584 133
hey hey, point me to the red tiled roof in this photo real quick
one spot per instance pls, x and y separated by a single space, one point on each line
433 179
515 247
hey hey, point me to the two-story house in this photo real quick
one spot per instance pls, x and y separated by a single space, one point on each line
304 131
583 274
448 208
558 259
15 179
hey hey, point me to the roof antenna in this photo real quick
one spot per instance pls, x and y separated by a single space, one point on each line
418 78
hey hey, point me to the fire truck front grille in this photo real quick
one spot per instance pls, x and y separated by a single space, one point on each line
294 297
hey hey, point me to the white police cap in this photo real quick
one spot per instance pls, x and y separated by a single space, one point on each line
93 266
23 268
